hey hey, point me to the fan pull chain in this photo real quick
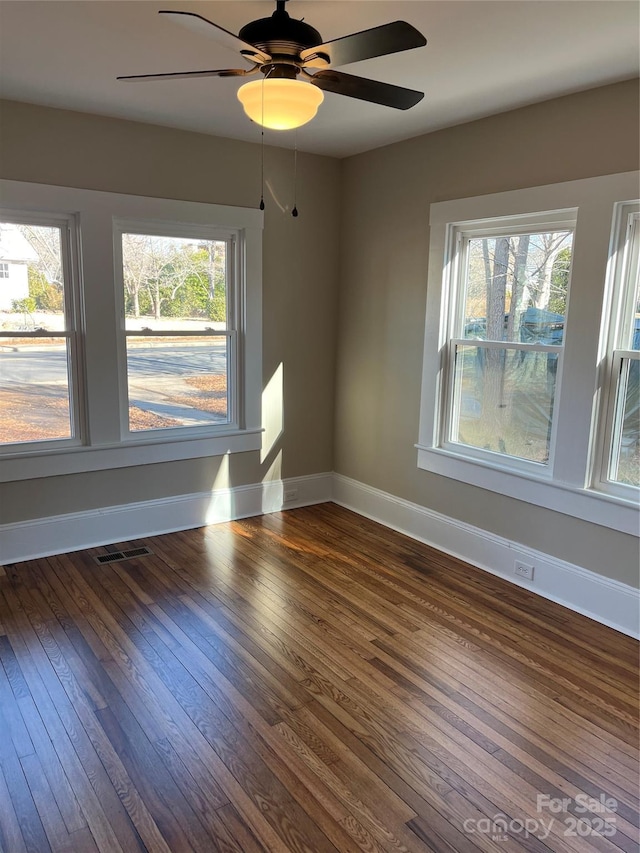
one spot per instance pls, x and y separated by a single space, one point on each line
294 212
262 153
262 173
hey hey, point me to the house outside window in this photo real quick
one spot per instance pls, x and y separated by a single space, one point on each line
530 354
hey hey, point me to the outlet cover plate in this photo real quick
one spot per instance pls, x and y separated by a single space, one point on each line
523 570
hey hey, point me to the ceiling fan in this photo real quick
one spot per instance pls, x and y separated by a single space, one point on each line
290 55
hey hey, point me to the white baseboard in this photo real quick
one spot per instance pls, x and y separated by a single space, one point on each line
28 540
607 601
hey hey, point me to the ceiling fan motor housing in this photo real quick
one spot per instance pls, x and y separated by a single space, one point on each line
281 36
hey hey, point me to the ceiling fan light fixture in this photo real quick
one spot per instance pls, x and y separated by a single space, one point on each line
280 103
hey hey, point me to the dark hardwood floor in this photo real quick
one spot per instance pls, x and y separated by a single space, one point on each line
306 681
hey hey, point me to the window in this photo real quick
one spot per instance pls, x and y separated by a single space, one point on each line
180 295
522 392
38 341
508 304
130 331
620 455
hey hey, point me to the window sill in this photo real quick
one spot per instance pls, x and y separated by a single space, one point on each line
596 507
75 460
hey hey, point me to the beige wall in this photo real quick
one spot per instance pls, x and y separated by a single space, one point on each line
385 215
300 265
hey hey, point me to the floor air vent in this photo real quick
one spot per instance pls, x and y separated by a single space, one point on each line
118 556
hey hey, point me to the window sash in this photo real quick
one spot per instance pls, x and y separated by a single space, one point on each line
68 228
620 368
616 336
234 303
493 344
629 283
179 333
229 237
459 266
449 409
455 287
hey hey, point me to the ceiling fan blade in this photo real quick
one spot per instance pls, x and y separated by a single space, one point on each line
378 41
204 27
185 75
366 90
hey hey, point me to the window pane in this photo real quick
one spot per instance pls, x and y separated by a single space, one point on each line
31 278
174 283
34 390
625 457
503 401
177 381
34 371
516 287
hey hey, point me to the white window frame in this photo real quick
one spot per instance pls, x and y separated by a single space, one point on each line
4 269
72 333
619 305
103 444
565 484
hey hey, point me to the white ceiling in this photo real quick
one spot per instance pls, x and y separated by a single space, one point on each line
481 58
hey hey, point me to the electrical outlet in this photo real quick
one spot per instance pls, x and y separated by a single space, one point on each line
290 495
523 570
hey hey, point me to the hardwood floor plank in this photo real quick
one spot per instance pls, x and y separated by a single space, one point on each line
62 791
243 839
167 812
13 727
12 669
12 839
361 823
205 799
45 803
33 834
81 841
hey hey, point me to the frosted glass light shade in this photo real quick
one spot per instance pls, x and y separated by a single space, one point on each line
287 103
